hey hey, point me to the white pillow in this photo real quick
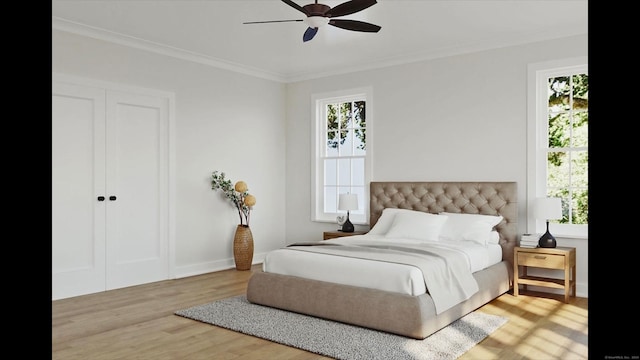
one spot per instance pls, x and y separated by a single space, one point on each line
385 220
473 227
416 225
494 237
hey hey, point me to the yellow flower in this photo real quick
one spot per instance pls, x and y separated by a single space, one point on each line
238 194
241 186
249 200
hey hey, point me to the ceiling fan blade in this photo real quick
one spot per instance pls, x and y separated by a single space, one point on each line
295 6
309 34
354 25
349 7
270 21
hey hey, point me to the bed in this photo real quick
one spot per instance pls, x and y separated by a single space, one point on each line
377 285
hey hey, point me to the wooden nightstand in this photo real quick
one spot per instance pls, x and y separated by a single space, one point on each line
561 258
334 234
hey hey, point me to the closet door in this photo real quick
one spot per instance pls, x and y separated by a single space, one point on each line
78 177
137 182
110 208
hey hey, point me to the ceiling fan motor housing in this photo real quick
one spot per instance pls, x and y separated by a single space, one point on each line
316 9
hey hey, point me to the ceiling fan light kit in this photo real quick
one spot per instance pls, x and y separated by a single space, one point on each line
316 21
319 15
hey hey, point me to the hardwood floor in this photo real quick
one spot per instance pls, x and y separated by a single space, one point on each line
139 323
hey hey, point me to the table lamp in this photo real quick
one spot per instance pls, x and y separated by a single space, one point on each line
548 209
348 202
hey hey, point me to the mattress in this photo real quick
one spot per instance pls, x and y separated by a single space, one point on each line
379 275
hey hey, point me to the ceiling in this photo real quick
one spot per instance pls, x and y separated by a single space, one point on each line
212 31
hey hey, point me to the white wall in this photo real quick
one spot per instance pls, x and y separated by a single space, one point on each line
461 118
223 121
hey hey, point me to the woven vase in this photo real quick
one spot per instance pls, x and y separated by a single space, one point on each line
243 247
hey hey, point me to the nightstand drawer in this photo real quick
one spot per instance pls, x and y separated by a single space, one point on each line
548 261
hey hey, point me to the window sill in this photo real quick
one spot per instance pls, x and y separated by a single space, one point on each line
571 237
334 222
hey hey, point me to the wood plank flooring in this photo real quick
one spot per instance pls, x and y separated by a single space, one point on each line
139 323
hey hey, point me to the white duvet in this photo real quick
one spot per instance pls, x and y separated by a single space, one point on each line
373 274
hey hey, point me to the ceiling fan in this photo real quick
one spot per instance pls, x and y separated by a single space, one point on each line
319 15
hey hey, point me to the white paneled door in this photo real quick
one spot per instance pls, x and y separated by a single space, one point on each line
109 189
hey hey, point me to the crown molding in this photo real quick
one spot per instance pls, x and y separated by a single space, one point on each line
106 35
443 52
458 49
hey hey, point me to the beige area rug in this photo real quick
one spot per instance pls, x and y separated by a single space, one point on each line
342 341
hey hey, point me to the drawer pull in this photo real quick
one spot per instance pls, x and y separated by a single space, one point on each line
540 257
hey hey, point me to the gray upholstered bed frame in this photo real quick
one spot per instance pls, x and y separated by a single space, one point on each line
411 316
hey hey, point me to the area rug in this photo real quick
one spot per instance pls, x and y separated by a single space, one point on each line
342 341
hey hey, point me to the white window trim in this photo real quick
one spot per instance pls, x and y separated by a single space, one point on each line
537 98
317 202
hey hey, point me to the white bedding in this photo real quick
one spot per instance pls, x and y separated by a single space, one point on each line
380 275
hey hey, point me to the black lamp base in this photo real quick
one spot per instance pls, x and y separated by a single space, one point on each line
547 240
347 226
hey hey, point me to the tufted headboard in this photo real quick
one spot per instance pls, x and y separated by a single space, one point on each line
487 198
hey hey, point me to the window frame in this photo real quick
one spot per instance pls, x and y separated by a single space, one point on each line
318 103
537 140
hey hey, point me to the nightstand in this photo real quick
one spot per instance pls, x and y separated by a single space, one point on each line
334 234
560 258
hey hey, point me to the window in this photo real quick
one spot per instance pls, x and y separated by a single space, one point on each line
341 153
558 150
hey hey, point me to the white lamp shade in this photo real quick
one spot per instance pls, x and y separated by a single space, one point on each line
548 208
348 202
316 21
